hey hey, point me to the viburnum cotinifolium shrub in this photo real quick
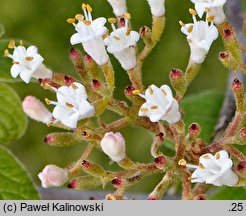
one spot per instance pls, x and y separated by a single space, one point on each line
155 108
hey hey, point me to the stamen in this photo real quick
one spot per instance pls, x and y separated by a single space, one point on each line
6 53
144 110
192 12
71 20
84 6
207 10
206 157
150 90
154 107
89 9
79 17
136 92
210 18
11 44
201 166
47 101
182 162
87 22
190 29
128 16
164 92
15 62
112 20
217 156
116 38
69 105
181 23
21 43
74 86
50 124
29 58
128 31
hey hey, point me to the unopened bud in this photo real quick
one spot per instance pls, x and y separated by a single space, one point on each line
152 197
113 144
238 89
177 79
129 90
243 132
160 162
116 182
48 84
145 33
228 60
241 169
85 183
194 130
68 80
96 84
119 7
201 197
36 110
92 168
53 176
157 7
91 67
62 139
74 53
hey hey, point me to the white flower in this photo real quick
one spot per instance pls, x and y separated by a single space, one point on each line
160 105
157 7
200 36
113 144
214 170
119 7
71 105
27 63
121 43
214 8
89 33
53 176
36 110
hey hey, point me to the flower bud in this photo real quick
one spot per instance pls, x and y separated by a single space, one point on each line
68 80
238 89
116 182
113 144
228 60
160 162
194 131
92 168
157 7
85 183
91 67
243 132
76 58
53 176
36 110
241 169
201 197
145 33
119 7
176 77
62 139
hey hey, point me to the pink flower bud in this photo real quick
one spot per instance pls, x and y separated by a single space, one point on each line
36 110
113 144
53 176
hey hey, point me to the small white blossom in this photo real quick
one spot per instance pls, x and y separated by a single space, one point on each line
157 7
27 63
89 33
113 144
119 7
214 170
160 105
53 176
121 43
214 8
71 105
200 36
36 110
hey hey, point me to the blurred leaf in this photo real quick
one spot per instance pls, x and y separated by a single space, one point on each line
203 108
2 30
13 121
230 194
15 182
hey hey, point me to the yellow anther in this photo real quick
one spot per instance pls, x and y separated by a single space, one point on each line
190 29
47 101
181 23
69 105
192 12
21 43
71 20
206 157
50 124
116 38
84 6
201 166
74 86
136 92
89 9
128 16
79 17
210 18
87 22
11 44
112 20
164 92
182 162
154 107
150 90
6 53
29 58
128 31
144 110
217 156
207 9
16 62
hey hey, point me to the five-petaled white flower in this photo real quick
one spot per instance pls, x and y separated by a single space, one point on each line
71 105
214 170
200 36
157 7
121 43
160 105
89 33
119 7
213 7
113 144
27 63
53 176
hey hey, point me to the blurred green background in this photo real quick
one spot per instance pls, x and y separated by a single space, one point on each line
43 23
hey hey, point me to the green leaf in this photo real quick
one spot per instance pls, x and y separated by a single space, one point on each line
203 108
228 193
13 121
15 183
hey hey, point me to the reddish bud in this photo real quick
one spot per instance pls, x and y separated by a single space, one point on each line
85 164
88 59
68 80
194 129
224 55
201 197
160 162
74 53
152 198
116 182
176 74
243 132
237 84
96 84
228 33
48 139
160 137
72 184
241 166
129 90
